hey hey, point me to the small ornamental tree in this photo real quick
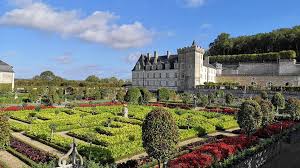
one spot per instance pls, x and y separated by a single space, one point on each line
268 112
163 94
249 117
211 98
120 95
203 101
186 98
278 101
160 135
4 131
229 98
293 108
133 95
264 95
146 95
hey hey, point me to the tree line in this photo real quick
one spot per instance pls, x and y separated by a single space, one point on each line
275 41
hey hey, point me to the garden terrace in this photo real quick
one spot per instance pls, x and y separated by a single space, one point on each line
105 135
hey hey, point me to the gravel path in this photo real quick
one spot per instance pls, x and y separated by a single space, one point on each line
11 161
37 144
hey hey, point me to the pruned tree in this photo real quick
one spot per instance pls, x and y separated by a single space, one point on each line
160 135
229 98
249 117
293 108
278 101
268 112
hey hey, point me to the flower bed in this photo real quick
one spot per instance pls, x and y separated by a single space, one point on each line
223 110
207 154
101 104
274 129
32 153
19 108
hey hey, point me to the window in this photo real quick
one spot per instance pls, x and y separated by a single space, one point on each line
167 75
175 75
159 75
167 83
147 75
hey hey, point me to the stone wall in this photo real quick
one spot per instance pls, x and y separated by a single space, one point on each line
288 67
263 80
258 69
7 78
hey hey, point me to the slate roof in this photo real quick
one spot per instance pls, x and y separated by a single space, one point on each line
4 67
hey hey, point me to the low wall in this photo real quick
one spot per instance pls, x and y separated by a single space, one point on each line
261 80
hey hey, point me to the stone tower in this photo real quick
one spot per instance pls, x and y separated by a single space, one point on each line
190 61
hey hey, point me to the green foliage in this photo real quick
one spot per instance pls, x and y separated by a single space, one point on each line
120 95
249 117
293 108
4 131
92 78
264 95
186 98
146 95
163 94
278 101
211 98
262 57
160 134
229 98
268 113
203 101
133 95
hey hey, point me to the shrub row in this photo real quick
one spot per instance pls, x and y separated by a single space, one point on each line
261 57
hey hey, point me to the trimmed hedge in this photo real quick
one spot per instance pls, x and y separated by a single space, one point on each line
261 57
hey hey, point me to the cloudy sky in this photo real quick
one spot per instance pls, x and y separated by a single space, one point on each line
78 38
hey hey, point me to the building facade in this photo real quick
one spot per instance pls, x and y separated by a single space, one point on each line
7 75
182 71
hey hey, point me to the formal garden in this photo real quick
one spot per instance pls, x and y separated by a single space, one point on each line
133 130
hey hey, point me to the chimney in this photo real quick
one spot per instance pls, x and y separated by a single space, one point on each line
155 57
148 56
168 54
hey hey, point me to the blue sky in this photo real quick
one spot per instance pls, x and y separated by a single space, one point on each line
78 38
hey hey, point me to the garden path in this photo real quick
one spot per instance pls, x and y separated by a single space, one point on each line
37 144
11 161
21 122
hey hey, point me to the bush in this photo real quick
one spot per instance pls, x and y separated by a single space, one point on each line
268 113
278 101
229 98
163 94
133 95
264 95
293 108
203 101
160 134
4 131
146 95
249 117
186 98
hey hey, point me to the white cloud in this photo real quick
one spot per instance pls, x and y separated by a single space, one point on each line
205 26
132 58
194 3
99 27
64 59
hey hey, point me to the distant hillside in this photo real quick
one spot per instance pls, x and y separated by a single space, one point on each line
275 41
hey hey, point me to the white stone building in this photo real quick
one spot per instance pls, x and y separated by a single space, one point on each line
182 71
7 75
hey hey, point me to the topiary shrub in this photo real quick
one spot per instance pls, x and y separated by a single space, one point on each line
133 95
293 108
268 112
249 117
4 131
203 101
278 101
264 95
229 98
163 94
145 95
160 134
186 98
